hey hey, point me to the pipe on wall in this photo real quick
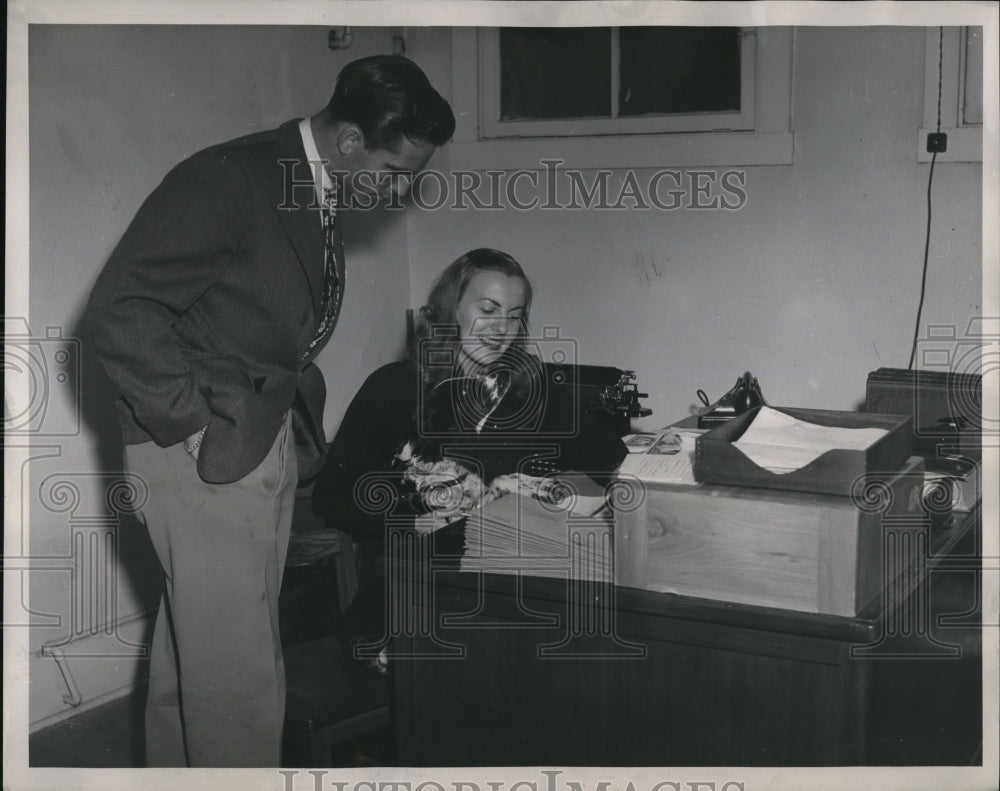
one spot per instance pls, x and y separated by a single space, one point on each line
74 698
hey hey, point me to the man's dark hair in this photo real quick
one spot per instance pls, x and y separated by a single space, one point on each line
388 97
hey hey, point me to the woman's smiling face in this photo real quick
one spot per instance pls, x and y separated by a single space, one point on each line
490 315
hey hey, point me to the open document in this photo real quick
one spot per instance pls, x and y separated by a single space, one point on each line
666 456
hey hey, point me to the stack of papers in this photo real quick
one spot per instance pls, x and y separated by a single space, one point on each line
519 534
570 492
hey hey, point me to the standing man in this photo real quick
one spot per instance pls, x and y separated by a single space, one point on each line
207 317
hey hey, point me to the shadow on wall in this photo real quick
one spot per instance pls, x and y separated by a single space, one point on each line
137 560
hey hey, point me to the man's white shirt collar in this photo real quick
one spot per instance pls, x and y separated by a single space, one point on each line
312 156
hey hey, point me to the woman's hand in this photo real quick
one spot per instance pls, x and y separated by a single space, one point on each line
445 486
453 496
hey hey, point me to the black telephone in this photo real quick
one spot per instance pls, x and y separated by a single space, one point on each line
745 395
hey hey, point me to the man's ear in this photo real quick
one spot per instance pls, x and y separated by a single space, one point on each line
350 139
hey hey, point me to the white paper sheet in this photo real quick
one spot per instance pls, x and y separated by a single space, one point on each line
781 443
658 467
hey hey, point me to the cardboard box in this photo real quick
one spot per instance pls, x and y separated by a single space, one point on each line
839 471
810 552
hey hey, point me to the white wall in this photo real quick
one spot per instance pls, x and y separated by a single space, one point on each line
811 285
111 110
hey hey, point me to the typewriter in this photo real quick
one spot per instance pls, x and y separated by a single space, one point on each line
610 396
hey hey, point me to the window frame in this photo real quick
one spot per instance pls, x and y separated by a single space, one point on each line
492 127
965 141
769 142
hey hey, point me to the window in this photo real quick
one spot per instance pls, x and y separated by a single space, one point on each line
959 52
615 80
622 96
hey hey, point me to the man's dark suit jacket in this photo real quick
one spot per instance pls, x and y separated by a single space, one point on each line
204 311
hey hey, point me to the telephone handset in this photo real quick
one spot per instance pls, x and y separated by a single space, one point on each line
744 395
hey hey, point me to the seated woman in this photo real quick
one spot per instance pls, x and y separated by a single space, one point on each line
471 402
471 407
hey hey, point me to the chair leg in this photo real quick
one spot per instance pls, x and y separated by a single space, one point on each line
346 564
337 595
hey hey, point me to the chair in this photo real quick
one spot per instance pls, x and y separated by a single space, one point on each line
314 592
321 576
330 698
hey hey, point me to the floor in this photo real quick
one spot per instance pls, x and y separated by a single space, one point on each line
111 737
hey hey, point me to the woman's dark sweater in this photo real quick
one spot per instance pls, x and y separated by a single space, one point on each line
537 422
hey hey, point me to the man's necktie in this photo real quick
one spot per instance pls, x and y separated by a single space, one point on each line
333 286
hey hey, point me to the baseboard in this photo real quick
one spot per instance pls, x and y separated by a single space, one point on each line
88 705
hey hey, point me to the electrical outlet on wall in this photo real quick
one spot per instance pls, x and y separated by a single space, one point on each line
937 143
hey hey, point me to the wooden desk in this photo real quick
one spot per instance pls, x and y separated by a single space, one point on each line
509 671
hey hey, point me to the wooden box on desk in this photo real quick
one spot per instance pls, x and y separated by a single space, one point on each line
719 460
802 551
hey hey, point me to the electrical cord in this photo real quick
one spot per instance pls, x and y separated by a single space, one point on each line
923 279
930 181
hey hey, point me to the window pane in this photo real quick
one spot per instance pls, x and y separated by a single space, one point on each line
679 70
555 73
